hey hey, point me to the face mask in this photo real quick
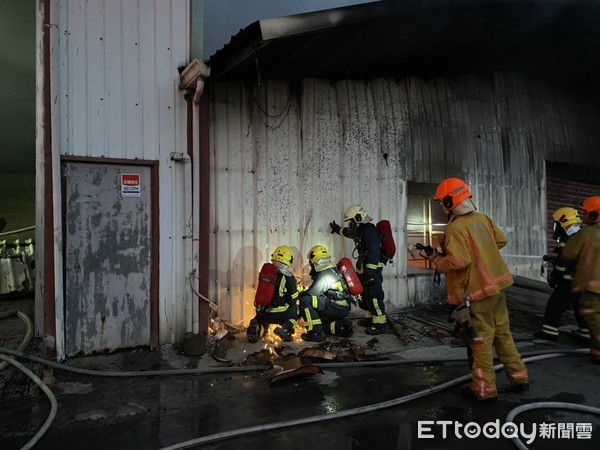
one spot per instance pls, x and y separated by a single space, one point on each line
573 229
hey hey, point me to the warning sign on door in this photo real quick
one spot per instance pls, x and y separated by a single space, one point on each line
130 184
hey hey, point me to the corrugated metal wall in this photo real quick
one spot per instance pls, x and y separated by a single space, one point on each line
115 85
287 159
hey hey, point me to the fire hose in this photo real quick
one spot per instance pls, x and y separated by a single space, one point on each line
534 356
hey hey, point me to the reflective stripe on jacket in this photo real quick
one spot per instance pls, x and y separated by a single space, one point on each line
473 265
584 249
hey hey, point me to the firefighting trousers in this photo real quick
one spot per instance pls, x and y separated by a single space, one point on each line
590 310
373 297
489 317
286 316
559 302
319 310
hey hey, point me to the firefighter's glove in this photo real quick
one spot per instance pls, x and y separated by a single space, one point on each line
336 295
335 228
461 316
554 278
460 313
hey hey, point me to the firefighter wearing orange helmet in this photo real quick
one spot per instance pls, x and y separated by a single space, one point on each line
566 224
583 250
479 277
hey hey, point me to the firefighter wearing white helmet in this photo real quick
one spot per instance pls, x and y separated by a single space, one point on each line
369 266
566 224
326 303
583 252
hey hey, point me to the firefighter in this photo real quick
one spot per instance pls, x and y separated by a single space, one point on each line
283 308
566 224
480 276
326 303
583 249
369 266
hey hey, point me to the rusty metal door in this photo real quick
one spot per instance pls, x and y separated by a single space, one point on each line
107 256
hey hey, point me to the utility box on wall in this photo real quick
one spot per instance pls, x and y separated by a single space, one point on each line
108 249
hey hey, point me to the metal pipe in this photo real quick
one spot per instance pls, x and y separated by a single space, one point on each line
20 230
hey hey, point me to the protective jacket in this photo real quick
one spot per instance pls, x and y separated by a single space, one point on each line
563 270
328 283
584 250
477 268
368 245
286 290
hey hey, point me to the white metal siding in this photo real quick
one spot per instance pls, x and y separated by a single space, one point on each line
286 161
115 86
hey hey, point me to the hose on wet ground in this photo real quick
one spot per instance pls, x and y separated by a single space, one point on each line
546 405
53 404
28 331
349 412
537 356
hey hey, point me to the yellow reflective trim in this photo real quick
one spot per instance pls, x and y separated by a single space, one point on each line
295 295
341 302
279 309
378 312
379 319
282 287
315 301
560 268
337 286
309 322
372 266
332 327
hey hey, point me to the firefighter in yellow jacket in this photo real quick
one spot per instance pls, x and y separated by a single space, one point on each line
583 249
477 277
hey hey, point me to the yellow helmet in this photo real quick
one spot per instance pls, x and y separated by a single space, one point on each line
318 253
357 213
283 254
566 216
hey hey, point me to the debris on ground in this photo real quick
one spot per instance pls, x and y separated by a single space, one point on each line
292 368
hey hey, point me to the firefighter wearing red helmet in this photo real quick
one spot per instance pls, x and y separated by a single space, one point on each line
479 277
583 250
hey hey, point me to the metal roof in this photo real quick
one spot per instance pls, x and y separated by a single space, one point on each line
392 38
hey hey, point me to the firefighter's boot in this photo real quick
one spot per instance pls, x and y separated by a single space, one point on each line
313 336
343 328
284 334
252 332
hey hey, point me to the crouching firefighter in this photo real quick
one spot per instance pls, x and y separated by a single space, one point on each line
276 298
369 266
326 303
479 277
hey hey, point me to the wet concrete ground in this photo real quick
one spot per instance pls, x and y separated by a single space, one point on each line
156 412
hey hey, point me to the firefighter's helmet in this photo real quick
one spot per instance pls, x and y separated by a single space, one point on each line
317 254
357 213
451 192
283 254
566 217
591 207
